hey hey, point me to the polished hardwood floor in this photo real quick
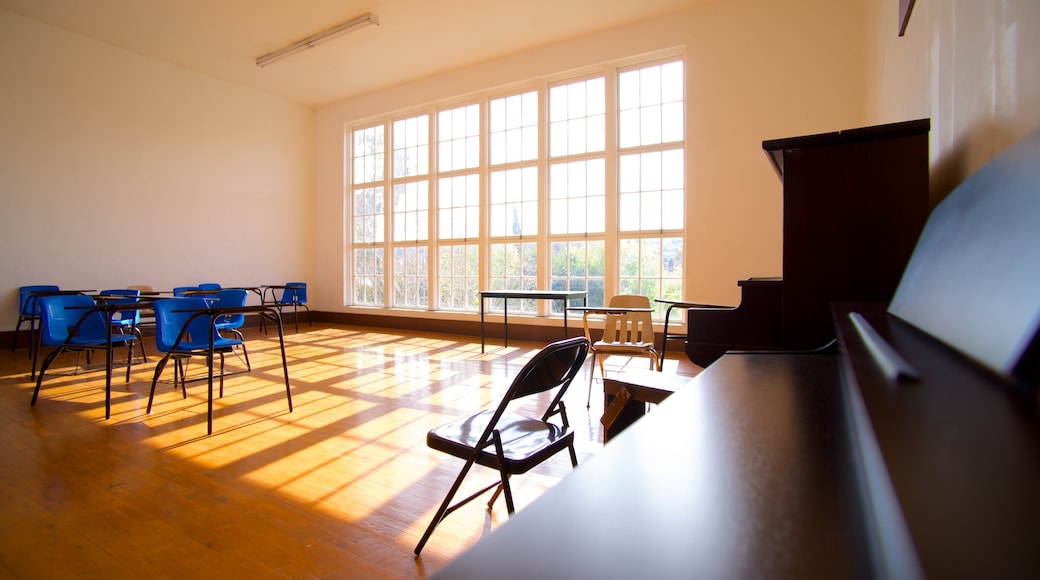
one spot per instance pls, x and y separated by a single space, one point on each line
342 487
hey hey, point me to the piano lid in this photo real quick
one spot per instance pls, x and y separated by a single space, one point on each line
775 148
973 280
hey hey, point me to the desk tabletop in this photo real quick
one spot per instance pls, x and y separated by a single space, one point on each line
607 309
687 303
537 294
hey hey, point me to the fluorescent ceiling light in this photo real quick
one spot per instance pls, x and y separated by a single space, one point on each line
316 39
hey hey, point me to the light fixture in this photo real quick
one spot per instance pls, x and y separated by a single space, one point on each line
316 39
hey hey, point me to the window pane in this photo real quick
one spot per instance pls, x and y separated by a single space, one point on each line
514 128
459 207
652 193
650 102
578 265
576 110
412 146
457 282
576 194
411 277
514 266
411 214
368 154
514 202
458 138
368 276
368 215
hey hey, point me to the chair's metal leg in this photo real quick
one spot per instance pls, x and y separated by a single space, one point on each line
43 368
592 373
158 371
446 506
504 473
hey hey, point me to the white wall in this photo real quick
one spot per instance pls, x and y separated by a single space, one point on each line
107 158
972 66
756 70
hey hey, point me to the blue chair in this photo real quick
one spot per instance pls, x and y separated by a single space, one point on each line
209 286
29 310
127 321
232 322
294 294
183 329
185 291
74 323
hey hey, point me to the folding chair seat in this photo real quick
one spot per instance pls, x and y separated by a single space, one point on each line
508 442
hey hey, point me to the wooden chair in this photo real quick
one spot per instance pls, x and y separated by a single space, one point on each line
628 329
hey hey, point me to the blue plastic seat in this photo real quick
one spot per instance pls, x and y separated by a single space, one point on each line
127 321
183 329
73 322
232 322
29 310
294 295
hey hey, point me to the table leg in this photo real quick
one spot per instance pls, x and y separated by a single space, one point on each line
505 321
482 324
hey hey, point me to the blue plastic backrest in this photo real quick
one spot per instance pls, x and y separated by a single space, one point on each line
227 298
170 316
297 293
209 286
25 292
60 314
180 290
131 298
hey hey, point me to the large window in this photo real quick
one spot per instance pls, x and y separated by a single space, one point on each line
575 184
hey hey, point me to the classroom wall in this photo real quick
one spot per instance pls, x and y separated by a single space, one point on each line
110 162
968 65
756 70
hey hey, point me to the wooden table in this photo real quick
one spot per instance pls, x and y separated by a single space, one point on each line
505 295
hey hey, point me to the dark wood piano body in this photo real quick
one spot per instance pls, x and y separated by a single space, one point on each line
854 203
820 465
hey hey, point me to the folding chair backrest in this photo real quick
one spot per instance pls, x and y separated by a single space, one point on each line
556 365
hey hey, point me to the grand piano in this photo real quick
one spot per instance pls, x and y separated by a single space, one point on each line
911 450
854 203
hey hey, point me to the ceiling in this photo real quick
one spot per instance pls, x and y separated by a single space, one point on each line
414 38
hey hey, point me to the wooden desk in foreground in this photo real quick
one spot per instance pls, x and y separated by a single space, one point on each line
743 473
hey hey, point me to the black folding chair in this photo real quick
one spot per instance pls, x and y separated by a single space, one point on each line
507 442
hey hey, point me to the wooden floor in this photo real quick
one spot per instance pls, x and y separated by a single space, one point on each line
342 487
